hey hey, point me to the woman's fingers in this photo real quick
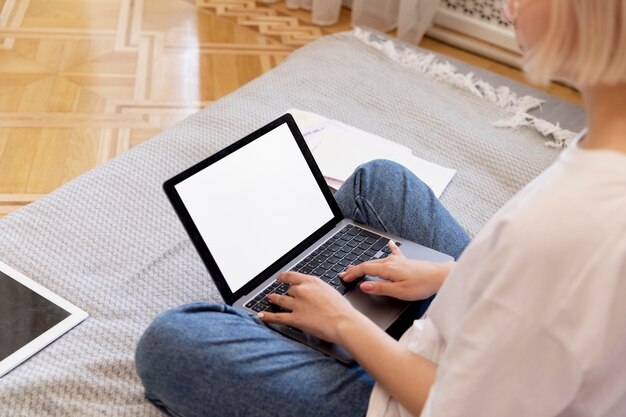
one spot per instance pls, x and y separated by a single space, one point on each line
376 267
373 268
380 288
395 250
276 318
283 301
292 278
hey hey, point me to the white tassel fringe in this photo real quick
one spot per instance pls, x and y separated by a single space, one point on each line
503 97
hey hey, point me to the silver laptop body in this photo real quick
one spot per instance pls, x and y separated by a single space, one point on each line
261 207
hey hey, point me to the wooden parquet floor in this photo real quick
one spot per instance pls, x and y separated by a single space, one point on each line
82 81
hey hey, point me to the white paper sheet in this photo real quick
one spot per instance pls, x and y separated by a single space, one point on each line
339 149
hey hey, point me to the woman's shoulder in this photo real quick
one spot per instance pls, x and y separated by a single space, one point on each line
564 232
577 203
556 253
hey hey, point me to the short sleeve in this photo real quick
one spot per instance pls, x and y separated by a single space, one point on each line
499 364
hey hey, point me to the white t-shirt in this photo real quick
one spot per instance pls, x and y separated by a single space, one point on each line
532 321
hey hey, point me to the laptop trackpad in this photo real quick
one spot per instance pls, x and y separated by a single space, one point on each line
380 309
383 311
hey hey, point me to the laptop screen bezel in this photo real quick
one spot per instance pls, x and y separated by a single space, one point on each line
205 253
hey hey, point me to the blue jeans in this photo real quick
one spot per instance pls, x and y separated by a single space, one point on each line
206 359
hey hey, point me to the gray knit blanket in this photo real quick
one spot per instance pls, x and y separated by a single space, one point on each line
110 243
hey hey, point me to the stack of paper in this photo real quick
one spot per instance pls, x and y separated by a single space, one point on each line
339 149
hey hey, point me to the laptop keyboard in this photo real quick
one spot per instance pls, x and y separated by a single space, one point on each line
349 246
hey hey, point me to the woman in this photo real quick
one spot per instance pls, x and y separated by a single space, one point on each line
531 321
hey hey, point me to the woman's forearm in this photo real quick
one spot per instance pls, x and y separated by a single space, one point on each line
405 375
445 269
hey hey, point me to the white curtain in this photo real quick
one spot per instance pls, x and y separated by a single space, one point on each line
411 17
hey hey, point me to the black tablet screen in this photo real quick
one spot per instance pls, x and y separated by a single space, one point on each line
24 315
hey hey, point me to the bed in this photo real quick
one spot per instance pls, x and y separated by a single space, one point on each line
110 243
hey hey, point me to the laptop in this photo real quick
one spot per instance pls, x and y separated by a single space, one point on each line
261 207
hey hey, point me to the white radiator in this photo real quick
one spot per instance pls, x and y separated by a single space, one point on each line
477 26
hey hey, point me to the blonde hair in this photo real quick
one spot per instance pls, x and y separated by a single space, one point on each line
585 44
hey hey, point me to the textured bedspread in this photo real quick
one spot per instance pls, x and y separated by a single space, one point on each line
110 243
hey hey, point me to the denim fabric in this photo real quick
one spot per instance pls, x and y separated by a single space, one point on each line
207 359
387 196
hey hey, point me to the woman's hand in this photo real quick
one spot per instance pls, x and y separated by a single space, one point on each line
405 279
316 307
322 311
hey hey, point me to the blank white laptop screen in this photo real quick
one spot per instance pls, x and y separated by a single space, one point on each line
255 205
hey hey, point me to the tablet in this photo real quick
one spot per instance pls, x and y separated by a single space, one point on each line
31 317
